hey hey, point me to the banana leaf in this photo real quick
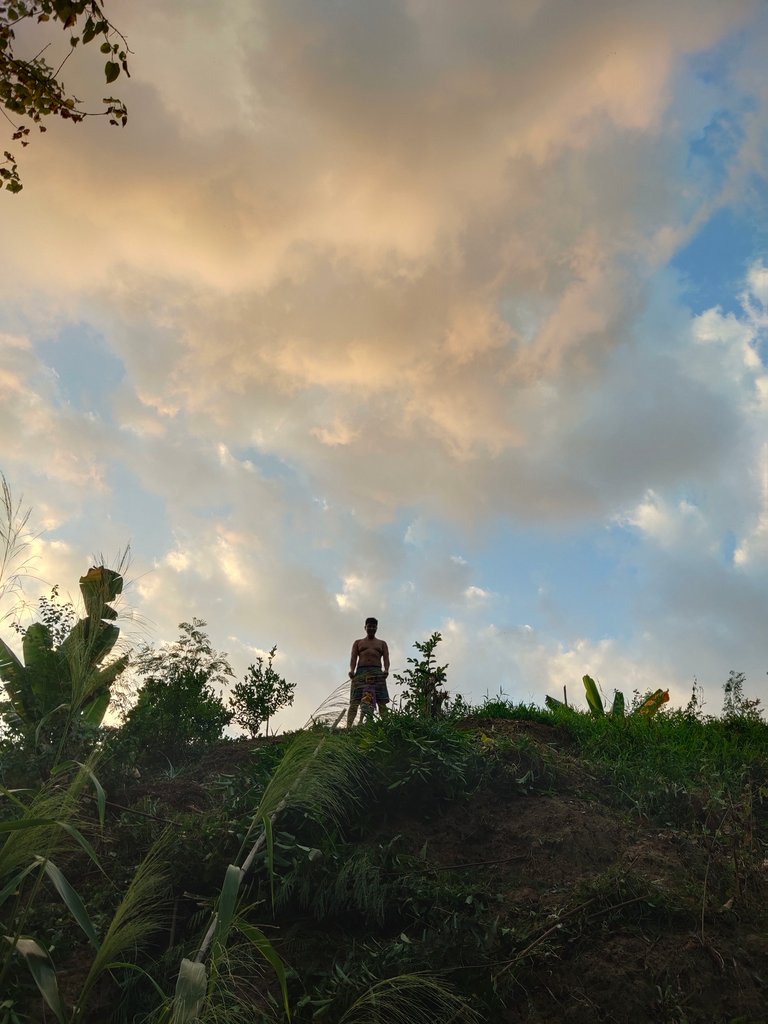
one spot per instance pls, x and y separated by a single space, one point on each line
652 703
593 697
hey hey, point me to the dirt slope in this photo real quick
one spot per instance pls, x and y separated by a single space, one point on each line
625 919
537 892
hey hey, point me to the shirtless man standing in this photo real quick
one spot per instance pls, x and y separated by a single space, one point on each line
367 656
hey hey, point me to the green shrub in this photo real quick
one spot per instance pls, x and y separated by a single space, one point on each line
421 683
260 695
177 707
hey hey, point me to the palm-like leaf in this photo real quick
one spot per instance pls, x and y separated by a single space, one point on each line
73 673
16 682
594 699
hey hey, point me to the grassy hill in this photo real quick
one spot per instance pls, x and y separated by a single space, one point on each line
515 865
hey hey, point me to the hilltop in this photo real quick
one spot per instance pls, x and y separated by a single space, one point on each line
543 866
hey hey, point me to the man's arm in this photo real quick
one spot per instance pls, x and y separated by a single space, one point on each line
385 656
353 659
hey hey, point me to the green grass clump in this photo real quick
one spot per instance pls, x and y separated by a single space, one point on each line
498 707
673 765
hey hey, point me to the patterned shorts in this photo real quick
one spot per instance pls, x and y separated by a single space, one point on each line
368 676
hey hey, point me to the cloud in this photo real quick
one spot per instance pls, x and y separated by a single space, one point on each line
377 276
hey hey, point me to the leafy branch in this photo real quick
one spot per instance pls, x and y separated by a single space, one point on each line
31 88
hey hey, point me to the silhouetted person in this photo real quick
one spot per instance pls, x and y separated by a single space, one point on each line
365 669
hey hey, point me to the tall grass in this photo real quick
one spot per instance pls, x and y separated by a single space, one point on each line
663 764
14 541
318 776
410 999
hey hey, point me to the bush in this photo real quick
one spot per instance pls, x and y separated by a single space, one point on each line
422 693
178 707
260 696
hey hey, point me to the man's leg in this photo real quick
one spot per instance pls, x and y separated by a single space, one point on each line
355 696
382 695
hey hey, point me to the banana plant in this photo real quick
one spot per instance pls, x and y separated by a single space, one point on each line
72 675
647 709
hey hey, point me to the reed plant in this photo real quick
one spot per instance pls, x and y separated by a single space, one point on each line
319 776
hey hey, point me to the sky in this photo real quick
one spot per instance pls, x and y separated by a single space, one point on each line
450 314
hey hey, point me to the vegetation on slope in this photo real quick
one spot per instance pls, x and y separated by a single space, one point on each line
515 864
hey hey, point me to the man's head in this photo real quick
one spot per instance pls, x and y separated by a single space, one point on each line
371 625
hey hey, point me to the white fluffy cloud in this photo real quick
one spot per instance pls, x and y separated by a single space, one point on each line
374 271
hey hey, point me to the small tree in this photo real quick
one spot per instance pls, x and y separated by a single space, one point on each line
177 705
735 704
260 695
423 694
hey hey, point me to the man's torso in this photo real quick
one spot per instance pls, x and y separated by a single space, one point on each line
370 652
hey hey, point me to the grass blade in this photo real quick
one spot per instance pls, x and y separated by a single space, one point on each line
72 900
10 888
101 796
228 901
257 938
11 794
270 853
43 972
127 965
18 824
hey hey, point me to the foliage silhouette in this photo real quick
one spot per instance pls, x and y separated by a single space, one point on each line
30 88
66 675
177 706
260 695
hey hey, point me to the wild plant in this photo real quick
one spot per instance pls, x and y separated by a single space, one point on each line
500 707
49 826
341 880
242 992
424 760
177 706
353 991
321 775
409 999
736 705
260 695
65 679
673 766
14 541
422 693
